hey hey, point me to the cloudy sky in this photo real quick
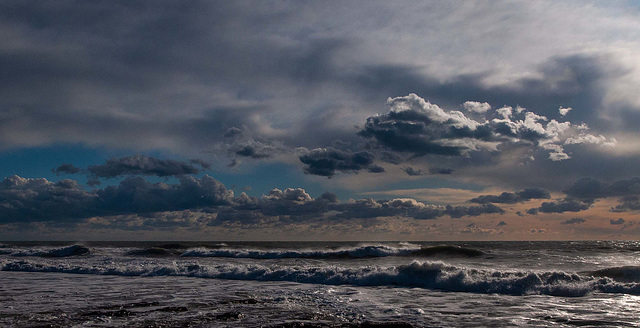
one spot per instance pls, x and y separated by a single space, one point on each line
320 120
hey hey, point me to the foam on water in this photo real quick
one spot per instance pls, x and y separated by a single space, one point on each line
369 251
429 275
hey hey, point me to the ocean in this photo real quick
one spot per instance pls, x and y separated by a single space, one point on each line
320 284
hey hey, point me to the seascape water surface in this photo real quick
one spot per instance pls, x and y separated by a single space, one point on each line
296 284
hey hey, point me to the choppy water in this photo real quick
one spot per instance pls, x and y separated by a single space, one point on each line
497 284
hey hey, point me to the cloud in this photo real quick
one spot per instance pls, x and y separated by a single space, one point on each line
626 190
145 165
39 200
233 132
329 161
432 171
414 172
295 205
93 182
563 205
512 198
574 221
477 107
460 211
564 110
244 143
472 228
26 200
617 222
66 169
203 164
256 149
440 170
119 91
420 128
585 138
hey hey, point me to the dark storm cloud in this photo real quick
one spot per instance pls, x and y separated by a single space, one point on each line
24 200
626 190
617 222
66 169
432 171
392 158
460 211
329 161
145 165
136 195
563 205
593 188
627 203
574 221
39 200
440 170
115 75
256 148
376 169
512 198
139 56
413 172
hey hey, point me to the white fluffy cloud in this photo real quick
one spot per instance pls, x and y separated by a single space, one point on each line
564 110
476 106
419 127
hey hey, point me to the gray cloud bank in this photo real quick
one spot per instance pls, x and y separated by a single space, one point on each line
26 200
582 194
328 161
512 198
37 200
146 165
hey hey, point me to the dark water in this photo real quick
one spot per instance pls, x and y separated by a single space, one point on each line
294 284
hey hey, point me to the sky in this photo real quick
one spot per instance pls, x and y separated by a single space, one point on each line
319 120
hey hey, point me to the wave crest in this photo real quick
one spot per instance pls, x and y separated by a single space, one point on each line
350 253
430 275
73 250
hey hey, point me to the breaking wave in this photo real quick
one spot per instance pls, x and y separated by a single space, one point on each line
351 253
152 251
429 275
73 250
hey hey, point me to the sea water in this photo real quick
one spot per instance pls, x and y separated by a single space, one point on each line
301 284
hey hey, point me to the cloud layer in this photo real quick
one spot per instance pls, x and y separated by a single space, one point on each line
35 200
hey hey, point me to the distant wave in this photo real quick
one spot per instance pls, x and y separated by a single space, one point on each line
351 253
153 251
623 273
73 250
448 251
430 275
